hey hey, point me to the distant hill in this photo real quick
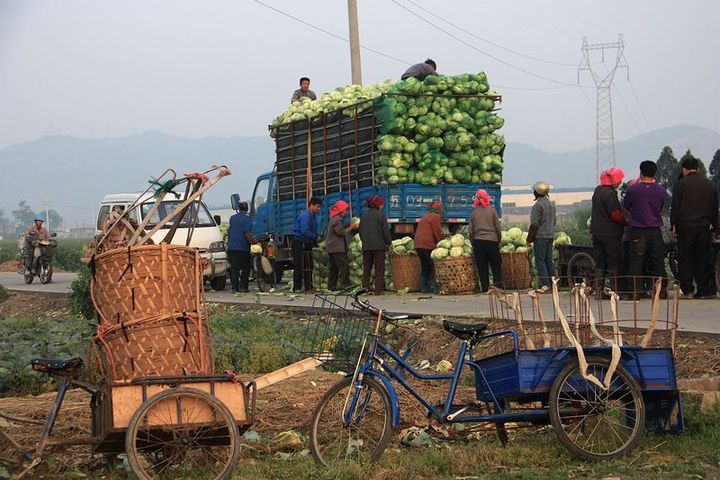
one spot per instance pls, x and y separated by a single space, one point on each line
76 173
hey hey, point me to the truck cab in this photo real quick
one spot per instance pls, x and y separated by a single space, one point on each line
206 236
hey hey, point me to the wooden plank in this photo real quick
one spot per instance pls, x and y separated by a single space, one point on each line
287 372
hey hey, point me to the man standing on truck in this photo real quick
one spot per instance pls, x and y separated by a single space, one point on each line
421 70
305 236
239 239
694 220
542 234
336 246
606 225
375 237
303 91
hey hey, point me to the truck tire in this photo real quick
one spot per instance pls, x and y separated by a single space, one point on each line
218 283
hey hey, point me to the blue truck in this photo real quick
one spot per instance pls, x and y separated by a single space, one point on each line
334 156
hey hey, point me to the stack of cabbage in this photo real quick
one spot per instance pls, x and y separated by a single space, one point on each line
562 238
403 245
514 240
320 267
435 135
306 109
454 247
355 259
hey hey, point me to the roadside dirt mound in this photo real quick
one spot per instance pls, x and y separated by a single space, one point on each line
8 266
23 304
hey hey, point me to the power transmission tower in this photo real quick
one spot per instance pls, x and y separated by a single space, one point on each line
604 137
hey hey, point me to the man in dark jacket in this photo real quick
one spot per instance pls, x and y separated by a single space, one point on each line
420 70
239 239
694 220
606 225
305 237
336 246
375 237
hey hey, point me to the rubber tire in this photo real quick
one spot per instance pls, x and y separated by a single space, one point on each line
218 283
577 259
334 390
29 279
45 279
555 418
138 415
260 278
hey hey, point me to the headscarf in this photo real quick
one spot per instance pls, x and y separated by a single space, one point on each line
481 199
435 207
339 208
611 176
375 201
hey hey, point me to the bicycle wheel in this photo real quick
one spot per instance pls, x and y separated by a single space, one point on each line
364 438
593 423
182 433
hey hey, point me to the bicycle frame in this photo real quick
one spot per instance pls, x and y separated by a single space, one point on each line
449 413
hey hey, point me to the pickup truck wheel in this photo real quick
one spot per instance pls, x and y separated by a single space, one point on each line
218 283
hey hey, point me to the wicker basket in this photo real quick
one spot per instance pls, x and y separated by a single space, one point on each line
515 270
405 270
144 281
155 346
456 276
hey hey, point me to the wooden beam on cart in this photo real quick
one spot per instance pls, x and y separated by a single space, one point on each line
287 372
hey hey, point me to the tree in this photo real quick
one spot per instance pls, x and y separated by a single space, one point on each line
667 168
23 217
701 166
715 170
4 222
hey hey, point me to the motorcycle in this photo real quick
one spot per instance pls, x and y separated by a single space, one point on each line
43 252
263 268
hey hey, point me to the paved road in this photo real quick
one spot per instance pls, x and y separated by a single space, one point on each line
695 315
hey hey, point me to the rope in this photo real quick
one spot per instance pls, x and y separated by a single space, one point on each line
655 313
164 187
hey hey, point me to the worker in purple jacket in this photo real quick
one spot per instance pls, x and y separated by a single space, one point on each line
643 201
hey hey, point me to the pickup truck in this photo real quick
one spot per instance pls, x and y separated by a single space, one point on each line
334 156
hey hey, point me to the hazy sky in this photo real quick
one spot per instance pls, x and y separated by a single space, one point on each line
197 68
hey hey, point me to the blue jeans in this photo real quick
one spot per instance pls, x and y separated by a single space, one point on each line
543 250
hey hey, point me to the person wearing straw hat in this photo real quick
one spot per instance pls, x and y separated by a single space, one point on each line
606 225
484 232
336 246
542 234
375 237
427 236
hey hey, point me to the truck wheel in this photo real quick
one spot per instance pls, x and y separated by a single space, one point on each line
218 283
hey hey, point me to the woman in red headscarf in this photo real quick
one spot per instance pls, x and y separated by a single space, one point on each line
375 237
484 232
606 226
336 246
427 235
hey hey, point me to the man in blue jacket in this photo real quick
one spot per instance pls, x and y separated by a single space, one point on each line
305 236
239 239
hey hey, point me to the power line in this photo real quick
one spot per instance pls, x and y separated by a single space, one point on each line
642 112
334 35
574 65
473 47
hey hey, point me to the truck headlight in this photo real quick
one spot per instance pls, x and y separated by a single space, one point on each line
217 247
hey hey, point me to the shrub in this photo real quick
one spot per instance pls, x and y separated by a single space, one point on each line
80 301
3 294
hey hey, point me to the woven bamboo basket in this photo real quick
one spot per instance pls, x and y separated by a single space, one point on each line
405 270
165 346
515 270
144 281
456 276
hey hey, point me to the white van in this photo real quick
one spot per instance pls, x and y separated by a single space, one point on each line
206 237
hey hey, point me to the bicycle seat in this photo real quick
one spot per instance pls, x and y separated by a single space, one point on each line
57 366
464 331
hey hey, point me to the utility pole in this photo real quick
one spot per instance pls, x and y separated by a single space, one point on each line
47 214
604 136
354 43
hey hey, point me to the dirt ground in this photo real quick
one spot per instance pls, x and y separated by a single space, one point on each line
8 266
26 304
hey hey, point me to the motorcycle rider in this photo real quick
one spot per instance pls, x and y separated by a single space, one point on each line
36 232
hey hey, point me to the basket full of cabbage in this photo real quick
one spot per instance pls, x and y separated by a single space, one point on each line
405 267
454 265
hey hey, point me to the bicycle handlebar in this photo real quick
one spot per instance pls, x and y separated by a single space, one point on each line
365 306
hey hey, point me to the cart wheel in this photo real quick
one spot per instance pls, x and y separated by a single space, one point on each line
581 266
593 423
364 439
182 433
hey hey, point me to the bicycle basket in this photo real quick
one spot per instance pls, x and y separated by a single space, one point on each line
336 332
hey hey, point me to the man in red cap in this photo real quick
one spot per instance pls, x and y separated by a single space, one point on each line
606 225
427 236
336 246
